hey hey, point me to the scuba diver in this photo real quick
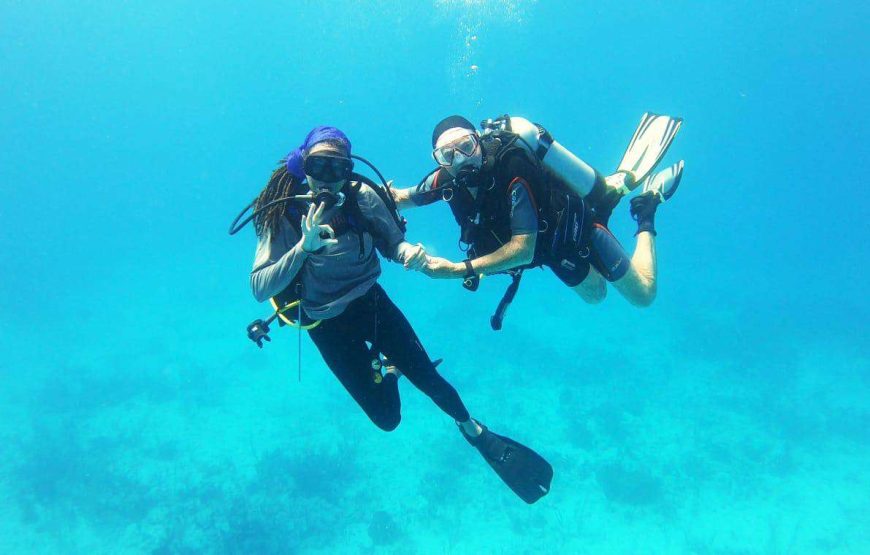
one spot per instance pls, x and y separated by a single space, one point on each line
318 225
522 200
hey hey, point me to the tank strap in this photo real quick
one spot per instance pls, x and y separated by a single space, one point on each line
545 140
355 217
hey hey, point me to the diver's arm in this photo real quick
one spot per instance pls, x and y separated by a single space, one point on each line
391 235
520 250
412 257
273 271
403 198
270 278
420 194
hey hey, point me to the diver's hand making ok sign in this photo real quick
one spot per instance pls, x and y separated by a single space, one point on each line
315 235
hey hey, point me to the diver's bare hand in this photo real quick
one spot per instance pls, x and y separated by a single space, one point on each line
315 235
415 257
441 268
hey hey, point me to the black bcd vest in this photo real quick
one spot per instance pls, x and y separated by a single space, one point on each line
485 220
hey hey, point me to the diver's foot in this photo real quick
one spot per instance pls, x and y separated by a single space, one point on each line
393 370
656 189
527 473
615 187
471 429
621 183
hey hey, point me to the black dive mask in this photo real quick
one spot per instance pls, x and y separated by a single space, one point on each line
326 168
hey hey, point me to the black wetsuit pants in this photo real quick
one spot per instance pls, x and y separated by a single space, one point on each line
374 318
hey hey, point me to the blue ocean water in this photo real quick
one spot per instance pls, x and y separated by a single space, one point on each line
730 417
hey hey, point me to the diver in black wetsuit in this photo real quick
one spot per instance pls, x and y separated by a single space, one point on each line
329 252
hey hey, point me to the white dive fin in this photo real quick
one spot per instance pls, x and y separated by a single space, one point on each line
665 183
650 142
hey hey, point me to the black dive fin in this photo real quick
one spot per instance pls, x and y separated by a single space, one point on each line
527 473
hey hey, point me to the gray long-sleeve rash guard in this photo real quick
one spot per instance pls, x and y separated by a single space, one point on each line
334 276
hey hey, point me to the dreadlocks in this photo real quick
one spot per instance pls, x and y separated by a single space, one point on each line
281 184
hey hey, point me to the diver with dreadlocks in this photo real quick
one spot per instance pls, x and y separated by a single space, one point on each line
522 200
326 254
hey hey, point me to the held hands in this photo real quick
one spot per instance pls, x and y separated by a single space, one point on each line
415 257
314 234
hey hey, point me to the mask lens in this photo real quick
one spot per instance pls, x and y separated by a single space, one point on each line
446 155
315 164
466 145
328 168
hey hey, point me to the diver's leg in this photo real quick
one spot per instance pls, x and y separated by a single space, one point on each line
633 277
341 342
575 272
398 342
638 285
593 289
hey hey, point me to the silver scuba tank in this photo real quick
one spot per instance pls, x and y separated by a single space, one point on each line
562 166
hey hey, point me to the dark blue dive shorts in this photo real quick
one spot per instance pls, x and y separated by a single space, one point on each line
602 251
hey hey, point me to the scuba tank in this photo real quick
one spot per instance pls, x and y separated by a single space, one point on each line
563 168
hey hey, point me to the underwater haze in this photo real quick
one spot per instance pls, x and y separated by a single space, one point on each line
731 417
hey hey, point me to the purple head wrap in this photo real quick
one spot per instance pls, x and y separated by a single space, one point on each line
317 135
